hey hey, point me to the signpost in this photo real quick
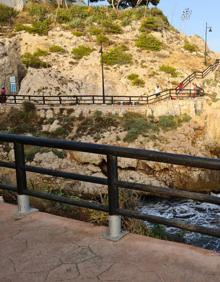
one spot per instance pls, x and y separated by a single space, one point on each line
13 85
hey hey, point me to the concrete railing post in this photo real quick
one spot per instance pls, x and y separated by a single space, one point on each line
114 232
22 199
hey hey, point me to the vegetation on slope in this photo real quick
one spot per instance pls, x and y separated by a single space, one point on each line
7 14
40 18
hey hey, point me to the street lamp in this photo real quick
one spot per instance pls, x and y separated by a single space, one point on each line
207 29
103 79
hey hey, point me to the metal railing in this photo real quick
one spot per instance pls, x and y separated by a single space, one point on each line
112 180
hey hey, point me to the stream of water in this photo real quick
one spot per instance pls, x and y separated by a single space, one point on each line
197 213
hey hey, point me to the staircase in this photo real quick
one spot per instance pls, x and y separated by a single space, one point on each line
201 74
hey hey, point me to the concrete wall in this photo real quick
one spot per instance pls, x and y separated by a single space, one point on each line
192 107
16 4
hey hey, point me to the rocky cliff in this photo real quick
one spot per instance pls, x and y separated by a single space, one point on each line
10 64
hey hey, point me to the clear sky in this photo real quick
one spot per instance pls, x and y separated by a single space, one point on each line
202 11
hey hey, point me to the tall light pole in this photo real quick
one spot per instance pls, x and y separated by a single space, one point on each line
103 78
207 29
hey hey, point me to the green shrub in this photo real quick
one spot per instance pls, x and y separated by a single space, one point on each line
6 14
20 27
81 51
158 13
190 47
24 120
170 70
183 118
41 27
117 56
168 122
110 27
139 13
152 23
101 38
56 49
148 42
97 123
38 27
135 80
94 30
77 23
75 12
63 15
126 21
28 107
172 122
132 76
39 11
31 60
60 132
41 53
77 33
136 124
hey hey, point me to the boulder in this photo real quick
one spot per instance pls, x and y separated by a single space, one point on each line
47 160
49 114
54 126
127 163
86 158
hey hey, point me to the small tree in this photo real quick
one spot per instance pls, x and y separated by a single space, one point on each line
133 3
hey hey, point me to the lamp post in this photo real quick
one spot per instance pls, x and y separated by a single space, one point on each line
207 29
103 78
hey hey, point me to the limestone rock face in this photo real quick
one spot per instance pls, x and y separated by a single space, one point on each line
212 124
16 4
9 60
52 82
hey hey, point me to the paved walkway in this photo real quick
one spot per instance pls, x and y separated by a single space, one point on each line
44 247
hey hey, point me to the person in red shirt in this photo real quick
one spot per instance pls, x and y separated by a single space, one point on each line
3 95
179 88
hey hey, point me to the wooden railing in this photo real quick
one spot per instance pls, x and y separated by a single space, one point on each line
98 100
66 100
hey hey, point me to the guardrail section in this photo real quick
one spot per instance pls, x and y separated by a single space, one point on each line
111 180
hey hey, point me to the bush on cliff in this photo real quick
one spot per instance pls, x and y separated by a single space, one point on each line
33 60
117 56
24 120
6 14
81 51
136 80
97 123
148 42
37 27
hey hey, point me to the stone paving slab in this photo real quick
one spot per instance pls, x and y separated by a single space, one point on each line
46 248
